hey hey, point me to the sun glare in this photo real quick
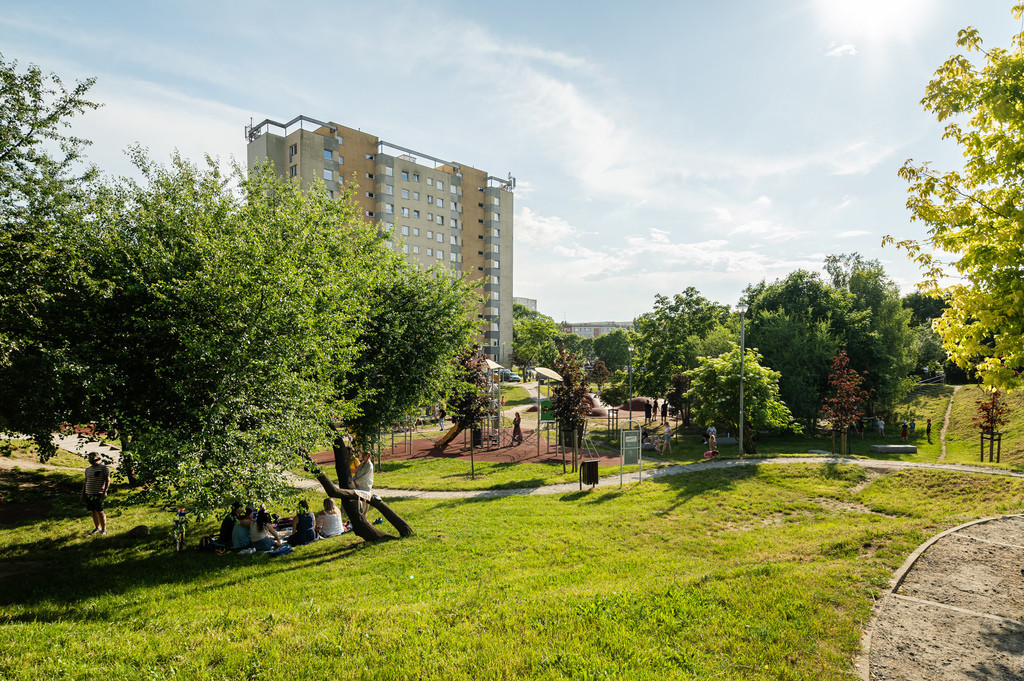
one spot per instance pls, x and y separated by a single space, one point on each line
872 20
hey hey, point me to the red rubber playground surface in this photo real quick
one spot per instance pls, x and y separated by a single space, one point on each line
504 452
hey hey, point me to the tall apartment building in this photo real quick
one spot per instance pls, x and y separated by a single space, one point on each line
433 211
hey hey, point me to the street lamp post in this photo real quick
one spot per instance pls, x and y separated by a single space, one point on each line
742 309
630 382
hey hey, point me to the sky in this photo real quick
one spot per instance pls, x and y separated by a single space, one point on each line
656 145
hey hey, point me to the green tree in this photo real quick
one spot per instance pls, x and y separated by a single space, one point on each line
533 341
599 373
975 213
798 323
613 348
667 338
715 395
43 186
570 399
923 308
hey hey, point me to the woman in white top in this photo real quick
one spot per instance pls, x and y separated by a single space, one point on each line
328 521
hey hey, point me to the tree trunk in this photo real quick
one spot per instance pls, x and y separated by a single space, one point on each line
346 493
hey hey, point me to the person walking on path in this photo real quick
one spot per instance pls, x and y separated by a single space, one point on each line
666 445
440 415
928 431
654 410
94 491
647 411
881 427
517 430
664 411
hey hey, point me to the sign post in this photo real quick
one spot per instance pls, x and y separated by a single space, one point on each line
629 449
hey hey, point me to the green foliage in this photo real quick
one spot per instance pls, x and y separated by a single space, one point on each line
976 214
715 395
40 264
570 405
599 373
533 341
617 391
469 397
669 338
613 348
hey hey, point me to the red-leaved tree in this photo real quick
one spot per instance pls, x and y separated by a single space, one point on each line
991 413
846 397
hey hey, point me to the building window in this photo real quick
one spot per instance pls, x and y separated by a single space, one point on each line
497 218
330 193
405 193
292 150
369 195
328 155
405 248
389 190
415 213
416 196
293 171
430 251
439 253
497 264
341 160
430 217
415 177
369 213
405 230
454 240
405 212
389 244
369 176
480 253
430 182
440 203
430 235
369 157
440 220
341 140
495 248
455 191
440 186
328 175
440 238
389 171
389 208
452 257
415 231
416 250
455 223
430 199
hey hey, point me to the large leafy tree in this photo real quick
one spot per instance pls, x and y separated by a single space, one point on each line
715 395
533 341
975 215
798 324
668 338
43 185
613 348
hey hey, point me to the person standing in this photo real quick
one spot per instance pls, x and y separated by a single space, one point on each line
881 428
666 445
440 415
913 427
654 410
94 492
517 430
664 411
647 411
903 432
928 430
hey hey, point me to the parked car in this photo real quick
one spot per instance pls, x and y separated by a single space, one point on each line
509 376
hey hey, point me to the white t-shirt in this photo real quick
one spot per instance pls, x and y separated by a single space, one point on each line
712 430
363 479
329 523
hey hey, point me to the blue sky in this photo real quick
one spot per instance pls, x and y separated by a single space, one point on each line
656 145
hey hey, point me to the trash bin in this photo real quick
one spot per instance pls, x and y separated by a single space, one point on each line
478 437
588 472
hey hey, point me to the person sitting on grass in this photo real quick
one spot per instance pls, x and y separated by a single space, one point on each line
227 526
648 445
260 527
240 533
328 521
303 524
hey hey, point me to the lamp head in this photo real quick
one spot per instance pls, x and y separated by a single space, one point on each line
742 308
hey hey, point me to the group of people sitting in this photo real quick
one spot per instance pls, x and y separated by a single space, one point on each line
246 527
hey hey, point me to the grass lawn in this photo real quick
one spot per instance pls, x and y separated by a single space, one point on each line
756 573
26 450
962 440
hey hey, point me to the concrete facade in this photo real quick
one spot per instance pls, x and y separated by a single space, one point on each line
594 329
434 212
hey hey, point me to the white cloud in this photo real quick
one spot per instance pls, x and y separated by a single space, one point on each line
837 50
533 230
852 233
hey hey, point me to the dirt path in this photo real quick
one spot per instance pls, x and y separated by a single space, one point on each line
945 423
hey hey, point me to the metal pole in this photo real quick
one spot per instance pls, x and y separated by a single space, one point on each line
630 382
743 345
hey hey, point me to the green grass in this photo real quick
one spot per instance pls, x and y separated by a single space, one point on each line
751 573
26 450
962 439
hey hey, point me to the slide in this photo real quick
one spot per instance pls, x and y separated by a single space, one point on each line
443 441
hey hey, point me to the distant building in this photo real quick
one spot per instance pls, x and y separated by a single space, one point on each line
528 302
594 329
433 211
